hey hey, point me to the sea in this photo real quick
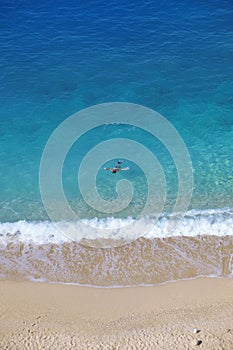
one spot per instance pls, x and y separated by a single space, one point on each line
69 70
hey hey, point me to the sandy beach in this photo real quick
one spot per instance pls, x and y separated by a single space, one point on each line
181 315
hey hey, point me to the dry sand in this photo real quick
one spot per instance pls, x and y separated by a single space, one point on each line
49 316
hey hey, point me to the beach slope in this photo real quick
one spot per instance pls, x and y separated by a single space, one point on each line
193 314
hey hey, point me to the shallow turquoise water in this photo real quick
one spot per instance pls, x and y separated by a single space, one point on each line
174 57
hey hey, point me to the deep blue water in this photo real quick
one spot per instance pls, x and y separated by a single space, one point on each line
60 57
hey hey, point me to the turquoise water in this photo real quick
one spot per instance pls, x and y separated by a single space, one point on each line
56 59
174 57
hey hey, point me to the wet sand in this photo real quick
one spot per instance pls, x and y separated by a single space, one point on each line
181 315
144 261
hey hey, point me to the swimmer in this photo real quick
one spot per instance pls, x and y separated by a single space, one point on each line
117 168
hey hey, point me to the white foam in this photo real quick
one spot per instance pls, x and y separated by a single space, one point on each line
218 222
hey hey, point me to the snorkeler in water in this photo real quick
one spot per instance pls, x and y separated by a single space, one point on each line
117 168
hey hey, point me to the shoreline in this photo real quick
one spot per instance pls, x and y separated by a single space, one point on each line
147 262
31 280
60 316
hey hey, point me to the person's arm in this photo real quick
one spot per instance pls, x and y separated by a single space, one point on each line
124 168
108 169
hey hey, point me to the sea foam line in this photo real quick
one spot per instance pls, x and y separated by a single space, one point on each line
218 222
